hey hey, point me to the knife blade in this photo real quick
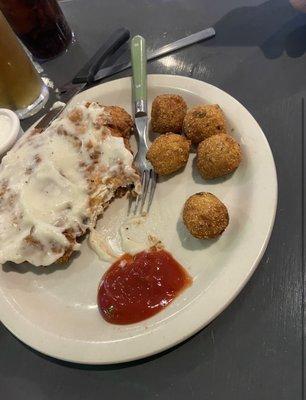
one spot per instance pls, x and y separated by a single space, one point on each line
162 51
86 75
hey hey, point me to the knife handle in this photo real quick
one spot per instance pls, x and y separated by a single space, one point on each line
113 42
139 82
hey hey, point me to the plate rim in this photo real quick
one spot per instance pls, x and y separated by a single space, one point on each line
56 348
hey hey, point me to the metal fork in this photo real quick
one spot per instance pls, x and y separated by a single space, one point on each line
139 87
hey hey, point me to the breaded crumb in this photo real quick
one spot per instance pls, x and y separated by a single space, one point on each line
217 156
204 121
167 114
205 216
169 153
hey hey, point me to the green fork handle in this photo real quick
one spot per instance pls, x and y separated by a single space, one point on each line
139 65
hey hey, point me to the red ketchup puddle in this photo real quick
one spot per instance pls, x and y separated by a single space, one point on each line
137 287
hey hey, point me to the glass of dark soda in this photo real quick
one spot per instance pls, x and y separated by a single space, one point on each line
40 25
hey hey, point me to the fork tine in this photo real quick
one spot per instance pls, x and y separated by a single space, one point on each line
136 204
153 181
131 200
137 201
145 186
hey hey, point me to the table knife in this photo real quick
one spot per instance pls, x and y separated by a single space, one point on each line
169 48
86 75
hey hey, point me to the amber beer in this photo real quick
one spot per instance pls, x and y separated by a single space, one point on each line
21 88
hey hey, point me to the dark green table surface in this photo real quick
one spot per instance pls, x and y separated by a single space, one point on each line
254 349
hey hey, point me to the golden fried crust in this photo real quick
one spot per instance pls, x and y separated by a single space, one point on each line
70 236
66 256
205 216
217 156
204 121
168 153
121 122
167 114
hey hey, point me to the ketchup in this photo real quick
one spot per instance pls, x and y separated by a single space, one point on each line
137 287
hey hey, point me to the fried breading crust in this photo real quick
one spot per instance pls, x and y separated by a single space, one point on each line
169 153
167 114
205 216
217 156
204 121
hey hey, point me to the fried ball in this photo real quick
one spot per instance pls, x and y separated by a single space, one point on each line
120 122
168 113
205 216
168 153
217 156
204 121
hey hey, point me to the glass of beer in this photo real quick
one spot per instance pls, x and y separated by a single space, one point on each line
40 25
21 88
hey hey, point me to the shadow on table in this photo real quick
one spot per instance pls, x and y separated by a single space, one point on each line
274 26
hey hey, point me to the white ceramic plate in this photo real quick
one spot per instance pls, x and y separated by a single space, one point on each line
54 309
